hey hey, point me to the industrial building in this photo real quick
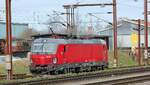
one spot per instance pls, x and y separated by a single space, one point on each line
17 29
17 36
125 30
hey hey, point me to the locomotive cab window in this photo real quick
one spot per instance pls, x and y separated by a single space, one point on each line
45 46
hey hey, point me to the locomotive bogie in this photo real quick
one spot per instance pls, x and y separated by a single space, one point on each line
74 68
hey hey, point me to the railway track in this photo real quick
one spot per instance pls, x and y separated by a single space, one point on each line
124 80
90 78
16 76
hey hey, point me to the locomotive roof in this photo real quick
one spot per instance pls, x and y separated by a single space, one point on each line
66 36
67 41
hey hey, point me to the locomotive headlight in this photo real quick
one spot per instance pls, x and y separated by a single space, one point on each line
29 57
31 61
54 60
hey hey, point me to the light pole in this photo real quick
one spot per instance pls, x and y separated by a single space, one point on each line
8 40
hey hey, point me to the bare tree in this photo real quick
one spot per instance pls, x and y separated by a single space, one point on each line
56 24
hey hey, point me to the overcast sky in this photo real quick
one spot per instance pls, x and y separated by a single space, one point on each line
24 10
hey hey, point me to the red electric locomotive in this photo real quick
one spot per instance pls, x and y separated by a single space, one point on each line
55 56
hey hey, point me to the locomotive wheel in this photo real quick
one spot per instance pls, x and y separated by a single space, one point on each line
32 71
102 67
77 70
54 72
93 68
88 69
65 70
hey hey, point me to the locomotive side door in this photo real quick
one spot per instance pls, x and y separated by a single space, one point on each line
61 51
64 54
105 53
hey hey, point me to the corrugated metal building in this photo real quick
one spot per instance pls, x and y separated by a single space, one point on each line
125 30
17 30
17 35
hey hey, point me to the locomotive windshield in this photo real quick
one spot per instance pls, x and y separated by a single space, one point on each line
44 48
37 48
45 45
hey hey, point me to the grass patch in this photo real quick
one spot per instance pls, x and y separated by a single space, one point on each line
124 59
20 66
2 71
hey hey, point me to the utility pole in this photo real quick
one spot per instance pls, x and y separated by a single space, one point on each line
138 29
146 23
115 33
139 42
146 28
8 40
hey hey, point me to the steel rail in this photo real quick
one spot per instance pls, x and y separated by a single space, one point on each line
123 81
16 76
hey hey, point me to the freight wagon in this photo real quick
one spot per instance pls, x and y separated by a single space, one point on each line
20 47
